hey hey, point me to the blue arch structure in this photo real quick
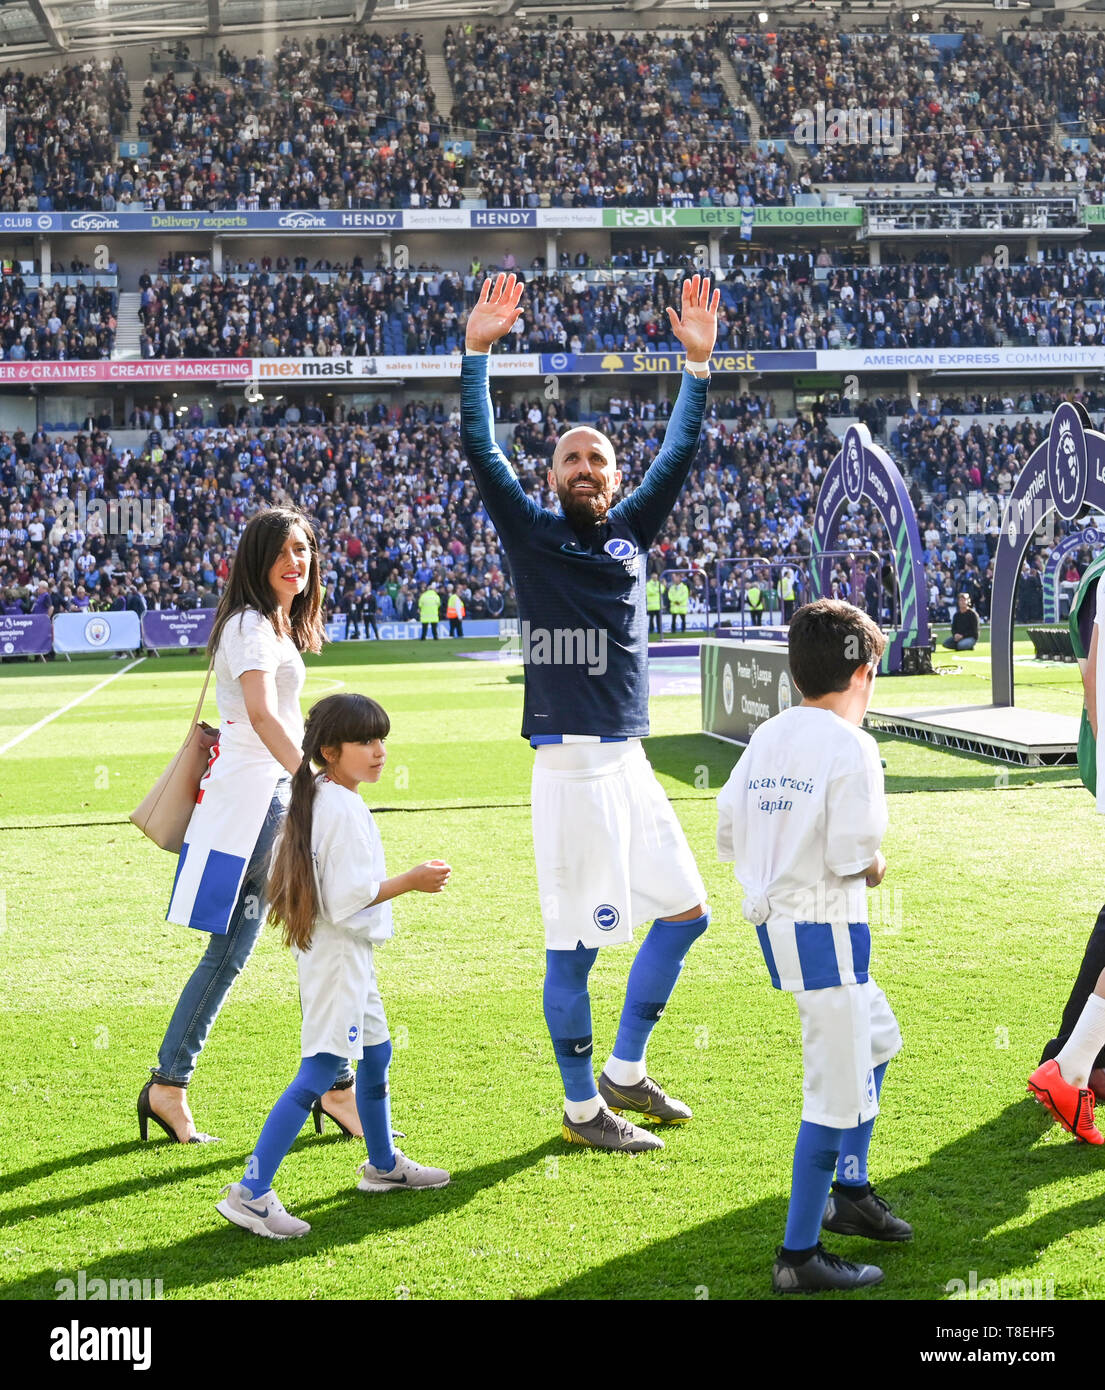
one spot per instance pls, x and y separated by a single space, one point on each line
1063 474
862 471
1089 538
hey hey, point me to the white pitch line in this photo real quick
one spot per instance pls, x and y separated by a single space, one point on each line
72 703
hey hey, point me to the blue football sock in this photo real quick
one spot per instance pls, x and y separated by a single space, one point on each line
315 1077
374 1105
568 1014
851 1165
652 978
814 1159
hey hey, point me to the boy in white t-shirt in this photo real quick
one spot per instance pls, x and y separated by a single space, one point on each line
801 818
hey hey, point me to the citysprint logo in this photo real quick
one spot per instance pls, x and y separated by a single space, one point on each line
112 516
879 130
559 646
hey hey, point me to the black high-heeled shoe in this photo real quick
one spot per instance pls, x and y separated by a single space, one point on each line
317 1112
146 1113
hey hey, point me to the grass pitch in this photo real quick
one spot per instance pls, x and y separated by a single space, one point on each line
993 886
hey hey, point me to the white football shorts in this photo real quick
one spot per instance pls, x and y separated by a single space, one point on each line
610 851
342 1009
847 1031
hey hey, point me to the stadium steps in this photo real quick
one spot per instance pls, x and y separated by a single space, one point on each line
128 326
737 95
439 82
137 86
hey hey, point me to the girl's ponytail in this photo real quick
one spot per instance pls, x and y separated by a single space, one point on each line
293 898
293 891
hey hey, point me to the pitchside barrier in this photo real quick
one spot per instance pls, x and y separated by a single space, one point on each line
171 629
743 684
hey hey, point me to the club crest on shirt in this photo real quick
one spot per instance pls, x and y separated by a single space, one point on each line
354 1032
607 917
619 548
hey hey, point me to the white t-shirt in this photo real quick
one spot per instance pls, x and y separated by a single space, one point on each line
349 861
801 818
249 643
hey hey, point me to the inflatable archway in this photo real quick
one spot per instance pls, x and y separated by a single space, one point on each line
1089 538
1063 474
862 471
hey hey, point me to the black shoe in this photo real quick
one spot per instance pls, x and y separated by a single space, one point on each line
868 1216
318 1110
822 1271
146 1113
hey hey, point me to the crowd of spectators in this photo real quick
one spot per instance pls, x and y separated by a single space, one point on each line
70 322
62 126
782 303
397 511
954 117
352 120
658 130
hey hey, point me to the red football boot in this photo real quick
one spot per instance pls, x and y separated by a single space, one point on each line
1071 1105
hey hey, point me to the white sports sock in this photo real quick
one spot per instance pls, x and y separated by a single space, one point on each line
580 1111
626 1073
1077 1056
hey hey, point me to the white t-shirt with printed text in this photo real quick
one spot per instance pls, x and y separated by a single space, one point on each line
802 816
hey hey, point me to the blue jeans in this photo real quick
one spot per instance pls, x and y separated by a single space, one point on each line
204 994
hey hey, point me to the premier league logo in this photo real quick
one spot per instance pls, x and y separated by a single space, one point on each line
1067 471
853 465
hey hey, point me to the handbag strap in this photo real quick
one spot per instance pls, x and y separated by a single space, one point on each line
203 693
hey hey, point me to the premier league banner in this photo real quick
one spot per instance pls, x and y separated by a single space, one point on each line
97 632
1064 474
743 684
171 627
25 634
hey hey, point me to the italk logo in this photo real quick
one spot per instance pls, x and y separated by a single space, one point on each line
1067 464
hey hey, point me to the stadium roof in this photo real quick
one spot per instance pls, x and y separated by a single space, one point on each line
37 28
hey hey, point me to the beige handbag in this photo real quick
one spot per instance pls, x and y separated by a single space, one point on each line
166 810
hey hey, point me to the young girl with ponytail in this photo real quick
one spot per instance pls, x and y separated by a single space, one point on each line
328 891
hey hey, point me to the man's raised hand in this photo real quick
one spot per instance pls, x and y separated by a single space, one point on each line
696 328
495 312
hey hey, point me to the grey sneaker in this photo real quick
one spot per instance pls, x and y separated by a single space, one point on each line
264 1216
609 1131
822 1271
405 1175
646 1098
866 1216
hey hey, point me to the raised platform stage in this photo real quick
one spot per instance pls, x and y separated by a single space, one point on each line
1006 733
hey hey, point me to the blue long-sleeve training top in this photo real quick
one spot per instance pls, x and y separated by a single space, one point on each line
581 597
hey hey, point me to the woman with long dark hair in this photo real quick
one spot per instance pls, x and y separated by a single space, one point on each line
270 612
